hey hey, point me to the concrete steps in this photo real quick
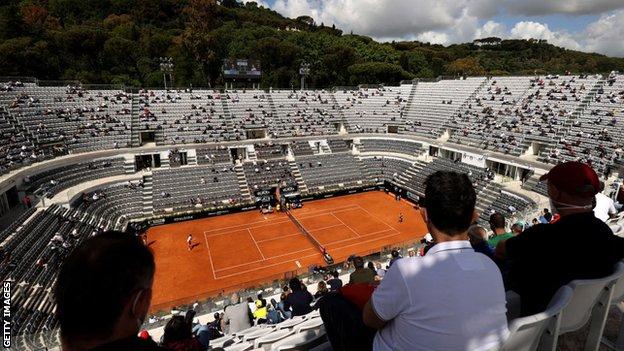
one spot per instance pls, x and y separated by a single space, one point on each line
242 182
148 195
303 188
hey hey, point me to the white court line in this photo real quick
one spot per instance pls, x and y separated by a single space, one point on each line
245 225
270 258
210 256
326 211
331 226
257 247
377 218
243 228
301 257
345 224
269 265
365 241
279 237
363 236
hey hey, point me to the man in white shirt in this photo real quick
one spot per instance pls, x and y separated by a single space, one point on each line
605 208
452 298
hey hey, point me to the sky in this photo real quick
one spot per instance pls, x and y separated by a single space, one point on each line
584 25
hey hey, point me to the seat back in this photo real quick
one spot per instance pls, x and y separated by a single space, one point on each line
301 341
618 289
586 293
525 333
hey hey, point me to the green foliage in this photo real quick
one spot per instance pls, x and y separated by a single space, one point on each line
120 41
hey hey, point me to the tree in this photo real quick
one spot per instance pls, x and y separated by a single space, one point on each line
465 66
377 72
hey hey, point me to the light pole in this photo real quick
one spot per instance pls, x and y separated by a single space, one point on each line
166 66
304 70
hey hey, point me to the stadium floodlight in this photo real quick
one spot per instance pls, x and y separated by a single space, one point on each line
304 70
166 66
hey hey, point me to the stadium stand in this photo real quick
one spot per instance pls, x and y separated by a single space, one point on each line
372 110
556 118
53 181
303 113
186 189
116 204
331 172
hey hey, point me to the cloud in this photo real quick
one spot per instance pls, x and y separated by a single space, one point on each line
455 21
606 34
570 7
535 30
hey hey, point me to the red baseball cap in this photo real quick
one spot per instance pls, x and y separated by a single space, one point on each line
574 178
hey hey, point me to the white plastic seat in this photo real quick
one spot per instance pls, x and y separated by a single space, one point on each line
266 341
301 341
525 333
256 334
618 297
248 330
219 342
314 323
591 299
289 323
240 347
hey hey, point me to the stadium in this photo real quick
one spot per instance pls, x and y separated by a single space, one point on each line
241 182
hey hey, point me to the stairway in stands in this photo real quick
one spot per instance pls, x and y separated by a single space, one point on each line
135 133
229 118
273 113
242 182
343 119
303 188
408 106
487 196
128 165
563 130
148 195
325 147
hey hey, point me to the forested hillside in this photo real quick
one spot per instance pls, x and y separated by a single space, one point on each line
120 41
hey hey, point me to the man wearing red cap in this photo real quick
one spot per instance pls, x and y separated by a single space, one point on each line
576 246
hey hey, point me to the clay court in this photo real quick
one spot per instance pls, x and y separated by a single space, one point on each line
246 249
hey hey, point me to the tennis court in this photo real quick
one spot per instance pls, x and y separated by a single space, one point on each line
246 249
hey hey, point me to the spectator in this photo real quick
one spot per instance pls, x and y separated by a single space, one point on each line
517 228
321 290
379 270
237 316
260 314
262 300
361 274
546 216
545 257
334 283
497 224
179 337
477 235
395 256
111 276
422 303
299 299
605 207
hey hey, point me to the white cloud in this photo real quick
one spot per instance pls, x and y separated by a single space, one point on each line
455 21
606 35
571 7
491 29
535 30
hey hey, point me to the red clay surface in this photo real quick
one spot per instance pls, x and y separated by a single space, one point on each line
248 248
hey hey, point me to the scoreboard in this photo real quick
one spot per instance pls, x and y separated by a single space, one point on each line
241 69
